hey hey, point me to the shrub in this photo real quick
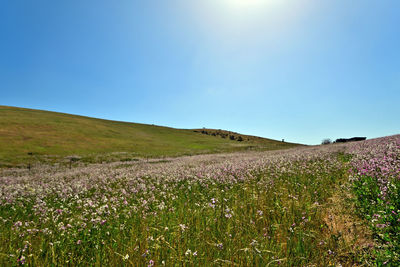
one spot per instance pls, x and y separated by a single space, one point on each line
326 141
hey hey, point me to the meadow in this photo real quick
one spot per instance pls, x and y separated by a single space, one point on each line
29 136
306 206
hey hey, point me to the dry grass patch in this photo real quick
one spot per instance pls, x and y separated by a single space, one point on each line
342 224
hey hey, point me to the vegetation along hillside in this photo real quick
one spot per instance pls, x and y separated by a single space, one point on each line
28 135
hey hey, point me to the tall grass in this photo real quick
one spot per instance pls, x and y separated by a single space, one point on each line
376 186
246 209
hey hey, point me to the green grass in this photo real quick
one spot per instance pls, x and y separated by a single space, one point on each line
262 221
50 136
382 215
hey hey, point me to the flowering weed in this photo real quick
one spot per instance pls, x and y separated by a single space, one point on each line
255 208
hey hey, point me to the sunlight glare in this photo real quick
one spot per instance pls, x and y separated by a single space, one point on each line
249 3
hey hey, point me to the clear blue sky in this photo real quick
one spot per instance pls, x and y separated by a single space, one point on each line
298 70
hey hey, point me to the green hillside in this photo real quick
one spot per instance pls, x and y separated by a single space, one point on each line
28 135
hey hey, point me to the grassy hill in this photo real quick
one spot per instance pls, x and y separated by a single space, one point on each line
28 135
237 136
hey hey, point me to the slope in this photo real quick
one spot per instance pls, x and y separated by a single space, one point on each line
37 135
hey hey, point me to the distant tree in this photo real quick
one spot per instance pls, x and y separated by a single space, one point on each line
326 141
240 139
232 137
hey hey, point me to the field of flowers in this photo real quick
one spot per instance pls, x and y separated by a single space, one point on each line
246 209
376 185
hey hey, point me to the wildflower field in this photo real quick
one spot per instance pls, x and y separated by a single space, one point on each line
315 206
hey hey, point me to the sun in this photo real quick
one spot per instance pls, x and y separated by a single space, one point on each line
248 3
253 4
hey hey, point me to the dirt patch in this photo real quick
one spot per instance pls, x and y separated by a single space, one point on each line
353 236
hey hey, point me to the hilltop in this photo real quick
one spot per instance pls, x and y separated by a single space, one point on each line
38 135
236 136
